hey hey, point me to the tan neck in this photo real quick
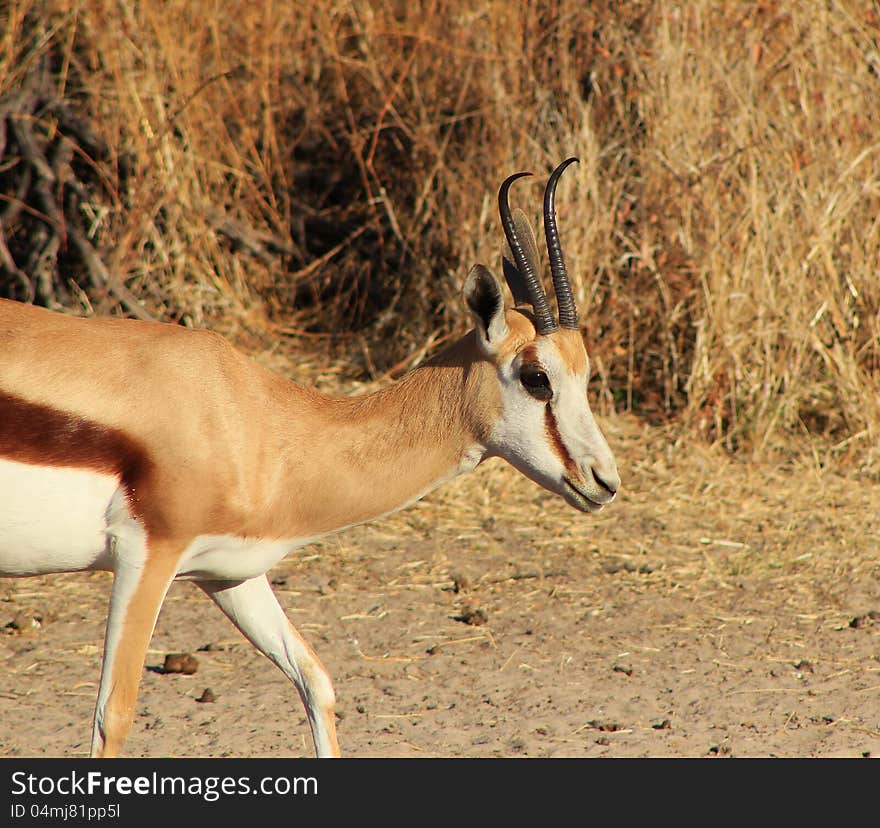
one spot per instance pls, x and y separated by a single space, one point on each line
381 451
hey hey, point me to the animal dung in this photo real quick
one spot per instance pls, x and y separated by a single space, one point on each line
473 617
180 663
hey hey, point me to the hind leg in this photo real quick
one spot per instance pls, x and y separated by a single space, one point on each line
253 608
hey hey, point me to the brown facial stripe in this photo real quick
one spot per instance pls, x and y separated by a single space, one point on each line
43 436
555 439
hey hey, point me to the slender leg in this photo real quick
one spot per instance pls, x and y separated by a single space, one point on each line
253 608
141 581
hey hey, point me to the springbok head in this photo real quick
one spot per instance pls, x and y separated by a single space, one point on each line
546 428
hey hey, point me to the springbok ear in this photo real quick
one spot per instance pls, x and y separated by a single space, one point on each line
482 292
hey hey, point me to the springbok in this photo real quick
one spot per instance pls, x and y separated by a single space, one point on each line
156 452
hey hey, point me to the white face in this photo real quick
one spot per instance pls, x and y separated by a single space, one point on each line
547 430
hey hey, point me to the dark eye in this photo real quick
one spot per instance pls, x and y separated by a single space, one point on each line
536 382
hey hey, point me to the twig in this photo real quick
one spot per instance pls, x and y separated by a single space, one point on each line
261 245
101 277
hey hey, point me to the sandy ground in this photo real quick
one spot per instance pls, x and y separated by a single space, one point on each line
718 608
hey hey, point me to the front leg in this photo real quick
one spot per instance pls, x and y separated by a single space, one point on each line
253 607
141 580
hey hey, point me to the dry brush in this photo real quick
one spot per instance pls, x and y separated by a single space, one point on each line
317 178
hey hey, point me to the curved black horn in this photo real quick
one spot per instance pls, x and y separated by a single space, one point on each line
544 321
568 315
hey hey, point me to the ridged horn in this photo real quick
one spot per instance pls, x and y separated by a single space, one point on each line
544 321
568 315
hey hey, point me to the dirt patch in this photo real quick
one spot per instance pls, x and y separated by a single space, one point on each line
719 608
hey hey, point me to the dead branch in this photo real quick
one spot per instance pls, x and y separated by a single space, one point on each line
43 246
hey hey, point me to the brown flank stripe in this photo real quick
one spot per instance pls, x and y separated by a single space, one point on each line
42 436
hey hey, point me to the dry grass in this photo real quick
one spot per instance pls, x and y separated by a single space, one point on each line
318 177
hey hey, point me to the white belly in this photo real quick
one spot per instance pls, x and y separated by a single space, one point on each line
228 558
54 519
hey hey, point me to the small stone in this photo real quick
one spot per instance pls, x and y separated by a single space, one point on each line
25 623
460 583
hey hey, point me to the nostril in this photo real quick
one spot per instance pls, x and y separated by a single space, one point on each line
610 486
